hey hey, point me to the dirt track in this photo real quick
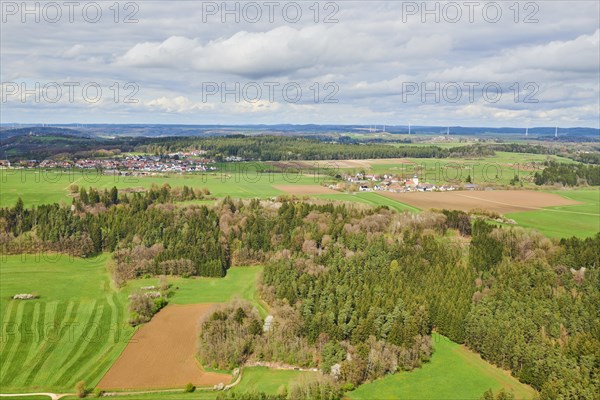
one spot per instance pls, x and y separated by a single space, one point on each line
161 354
500 201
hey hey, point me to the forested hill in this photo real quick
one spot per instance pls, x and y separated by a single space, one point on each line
40 145
352 280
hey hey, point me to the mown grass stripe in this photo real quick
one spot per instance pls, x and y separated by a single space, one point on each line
52 337
13 336
93 340
75 349
40 309
23 345
111 333
7 327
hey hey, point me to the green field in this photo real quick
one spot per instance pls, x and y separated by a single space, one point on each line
240 282
454 372
26 398
254 379
496 170
78 326
370 198
74 331
239 181
248 180
582 220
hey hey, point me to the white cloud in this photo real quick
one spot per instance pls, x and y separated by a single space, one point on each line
370 53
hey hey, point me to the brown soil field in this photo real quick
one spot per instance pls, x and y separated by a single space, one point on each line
500 201
305 189
161 353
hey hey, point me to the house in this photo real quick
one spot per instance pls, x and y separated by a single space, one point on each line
364 188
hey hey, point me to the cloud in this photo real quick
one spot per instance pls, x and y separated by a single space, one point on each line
276 52
179 104
369 54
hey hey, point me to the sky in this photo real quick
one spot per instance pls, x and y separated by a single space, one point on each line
468 63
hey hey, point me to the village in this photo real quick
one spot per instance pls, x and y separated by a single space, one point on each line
179 162
391 183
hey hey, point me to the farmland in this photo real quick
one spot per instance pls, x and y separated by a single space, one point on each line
558 218
166 343
78 326
74 331
42 187
240 282
581 220
500 201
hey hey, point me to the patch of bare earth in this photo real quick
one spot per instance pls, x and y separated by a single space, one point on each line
500 201
161 354
305 189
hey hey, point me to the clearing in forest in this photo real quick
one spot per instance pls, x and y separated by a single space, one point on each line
161 353
454 372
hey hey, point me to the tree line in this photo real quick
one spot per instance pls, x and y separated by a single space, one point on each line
568 174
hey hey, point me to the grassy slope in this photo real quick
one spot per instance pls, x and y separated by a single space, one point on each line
454 372
74 330
240 282
578 220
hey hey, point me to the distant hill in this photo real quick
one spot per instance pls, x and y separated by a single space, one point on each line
157 130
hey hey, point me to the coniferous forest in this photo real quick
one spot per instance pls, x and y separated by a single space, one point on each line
355 291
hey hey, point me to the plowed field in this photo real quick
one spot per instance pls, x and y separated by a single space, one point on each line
501 201
161 353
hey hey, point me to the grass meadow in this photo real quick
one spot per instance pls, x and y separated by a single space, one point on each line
37 186
498 169
78 326
454 372
240 282
74 331
581 220
254 379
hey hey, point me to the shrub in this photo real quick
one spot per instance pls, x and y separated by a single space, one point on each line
80 389
189 388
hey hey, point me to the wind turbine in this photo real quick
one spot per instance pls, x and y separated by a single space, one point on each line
556 132
447 131
409 129
526 131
